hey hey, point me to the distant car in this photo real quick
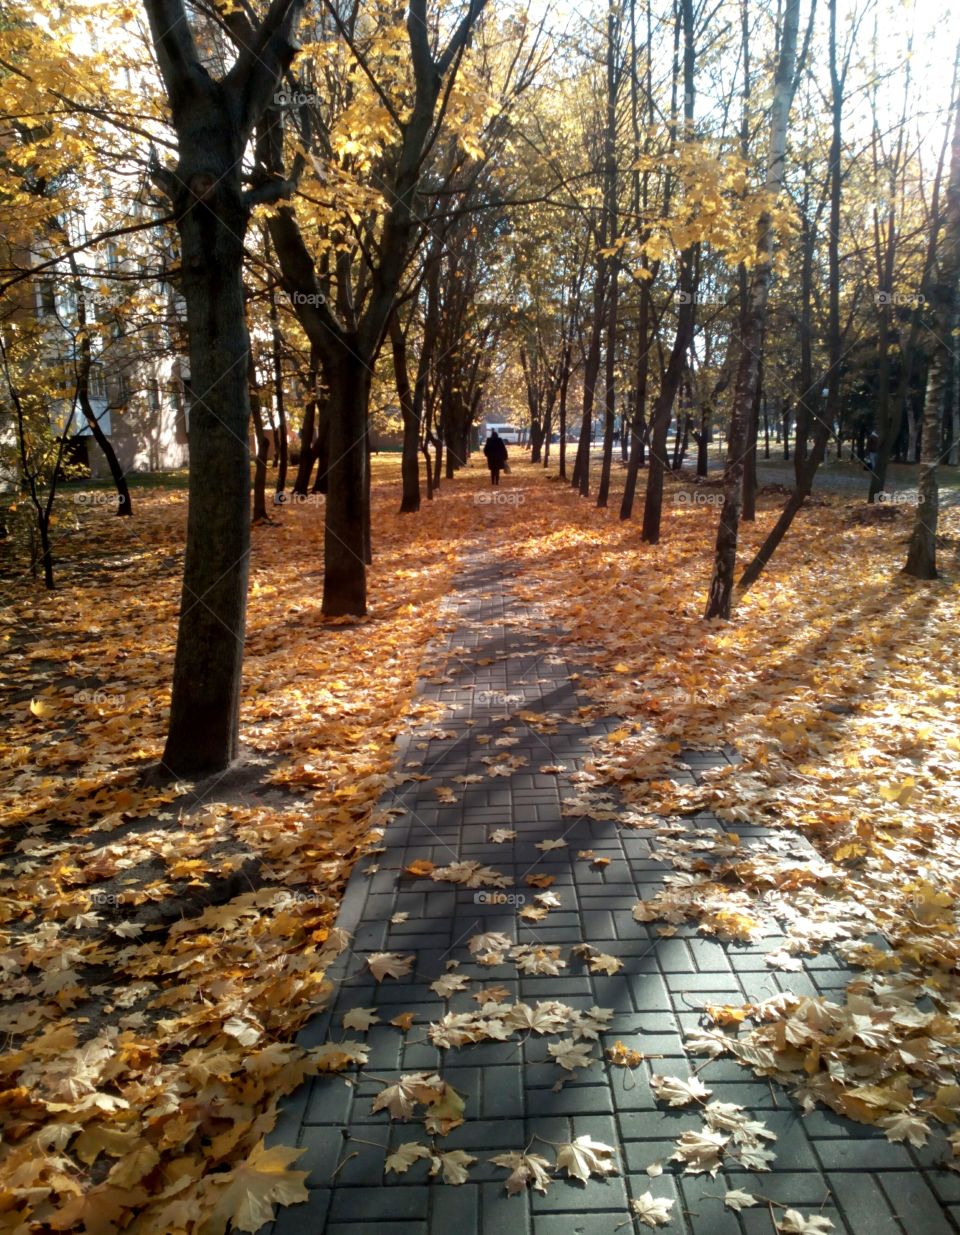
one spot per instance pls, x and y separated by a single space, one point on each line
509 434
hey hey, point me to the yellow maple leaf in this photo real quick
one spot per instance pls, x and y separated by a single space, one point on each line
246 1196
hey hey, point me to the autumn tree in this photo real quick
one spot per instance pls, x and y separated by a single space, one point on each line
721 587
922 554
345 293
214 120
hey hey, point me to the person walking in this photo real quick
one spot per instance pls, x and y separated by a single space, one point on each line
495 450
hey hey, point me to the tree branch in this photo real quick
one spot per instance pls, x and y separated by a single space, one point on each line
176 50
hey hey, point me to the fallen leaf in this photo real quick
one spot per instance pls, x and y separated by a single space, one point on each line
526 1171
651 1210
584 1157
389 964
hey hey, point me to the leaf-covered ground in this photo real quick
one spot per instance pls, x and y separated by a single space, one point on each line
160 947
836 685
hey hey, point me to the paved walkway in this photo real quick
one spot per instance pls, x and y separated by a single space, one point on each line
499 659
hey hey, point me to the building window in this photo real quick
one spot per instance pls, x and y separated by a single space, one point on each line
119 388
46 298
98 383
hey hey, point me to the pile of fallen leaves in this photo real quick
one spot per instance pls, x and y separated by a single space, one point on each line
161 946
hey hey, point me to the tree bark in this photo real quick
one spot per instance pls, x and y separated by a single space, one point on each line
921 560
277 340
670 383
263 448
214 121
725 559
345 538
410 459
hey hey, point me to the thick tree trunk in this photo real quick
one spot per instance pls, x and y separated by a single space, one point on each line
345 538
703 445
410 459
437 460
214 121
205 704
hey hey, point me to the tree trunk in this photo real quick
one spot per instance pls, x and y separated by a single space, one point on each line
564 384
660 420
721 586
278 391
610 231
83 395
591 370
410 460
805 383
345 536
922 555
263 447
205 704
214 121
610 394
703 444
638 419
750 464
670 383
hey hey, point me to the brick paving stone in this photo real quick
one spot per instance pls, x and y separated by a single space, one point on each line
756 1221
502 1213
914 1202
387 1203
706 1212
310 1216
825 1164
863 1204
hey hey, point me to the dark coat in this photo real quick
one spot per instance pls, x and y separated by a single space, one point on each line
495 450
